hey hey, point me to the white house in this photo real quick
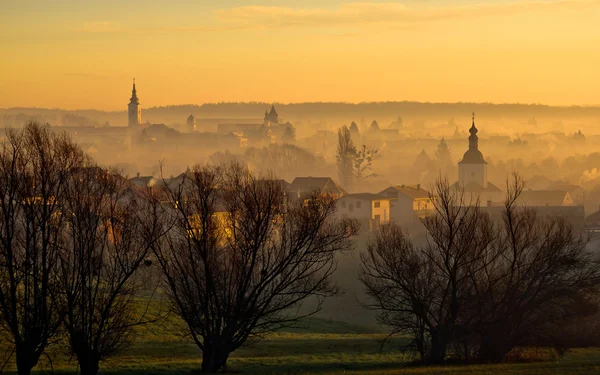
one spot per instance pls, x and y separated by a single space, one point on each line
409 204
370 210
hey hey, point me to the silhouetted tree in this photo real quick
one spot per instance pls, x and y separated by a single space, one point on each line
374 126
110 229
444 156
242 255
485 287
35 165
346 153
363 160
397 124
289 135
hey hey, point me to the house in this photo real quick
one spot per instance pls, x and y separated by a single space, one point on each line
574 215
592 222
545 198
144 181
371 210
576 192
302 186
409 204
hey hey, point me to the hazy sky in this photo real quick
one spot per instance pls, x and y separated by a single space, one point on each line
83 53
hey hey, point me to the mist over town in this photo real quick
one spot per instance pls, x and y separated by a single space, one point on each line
394 187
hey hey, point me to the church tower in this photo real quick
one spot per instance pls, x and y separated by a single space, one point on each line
134 109
271 118
472 169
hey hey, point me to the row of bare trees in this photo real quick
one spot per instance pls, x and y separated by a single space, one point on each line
481 286
236 254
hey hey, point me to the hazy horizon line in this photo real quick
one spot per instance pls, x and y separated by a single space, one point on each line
587 106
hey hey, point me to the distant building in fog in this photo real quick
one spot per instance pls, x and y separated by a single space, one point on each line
191 124
134 109
269 131
472 172
271 118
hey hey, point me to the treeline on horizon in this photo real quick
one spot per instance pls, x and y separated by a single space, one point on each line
320 109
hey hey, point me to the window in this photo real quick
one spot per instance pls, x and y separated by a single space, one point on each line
377 204
343 204
358 203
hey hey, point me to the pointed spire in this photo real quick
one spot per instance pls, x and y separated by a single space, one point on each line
134 98
473 139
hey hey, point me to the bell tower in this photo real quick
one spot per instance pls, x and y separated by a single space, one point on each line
134 110
473 167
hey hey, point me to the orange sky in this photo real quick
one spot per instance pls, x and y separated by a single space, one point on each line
83 54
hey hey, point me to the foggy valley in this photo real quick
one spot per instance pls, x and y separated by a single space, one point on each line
322 187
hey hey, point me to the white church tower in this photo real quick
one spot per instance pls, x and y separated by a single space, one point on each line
134 109
472 169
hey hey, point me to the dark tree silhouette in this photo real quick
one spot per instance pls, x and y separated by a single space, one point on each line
443 153
346 154
35 164
483 286
110 229
363 162
289 134
242 255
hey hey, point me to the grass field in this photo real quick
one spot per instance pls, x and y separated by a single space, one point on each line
315 347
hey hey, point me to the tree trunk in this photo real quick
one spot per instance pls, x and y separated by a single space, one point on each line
214 358
493 348
89 367
437 352
87 359
26 360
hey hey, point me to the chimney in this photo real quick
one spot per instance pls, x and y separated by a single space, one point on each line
489 203
138 174
418 186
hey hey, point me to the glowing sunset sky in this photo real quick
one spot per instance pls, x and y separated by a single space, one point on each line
83 54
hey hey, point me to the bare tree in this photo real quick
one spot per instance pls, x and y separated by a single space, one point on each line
424 289
480 286
537 276
110 229
346 154
34 167
363 162
242 256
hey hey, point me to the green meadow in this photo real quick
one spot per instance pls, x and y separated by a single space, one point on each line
315 346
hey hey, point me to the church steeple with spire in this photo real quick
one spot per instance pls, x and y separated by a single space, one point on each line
473 167
134 109
271 118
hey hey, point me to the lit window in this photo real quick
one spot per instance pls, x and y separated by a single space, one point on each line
377 204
